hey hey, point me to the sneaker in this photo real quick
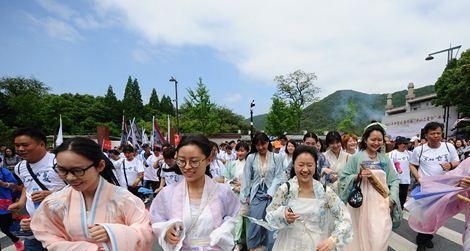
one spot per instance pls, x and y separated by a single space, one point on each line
429 244
24 234
421 248
19 246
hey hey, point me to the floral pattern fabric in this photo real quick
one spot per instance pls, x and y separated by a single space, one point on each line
326 217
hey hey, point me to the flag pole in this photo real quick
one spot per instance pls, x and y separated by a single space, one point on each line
168 133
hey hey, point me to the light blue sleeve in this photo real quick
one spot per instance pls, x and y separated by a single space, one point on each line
246 181
278 176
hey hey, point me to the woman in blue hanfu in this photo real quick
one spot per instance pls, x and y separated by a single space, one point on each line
262 175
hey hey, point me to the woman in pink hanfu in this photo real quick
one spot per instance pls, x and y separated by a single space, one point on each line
91 213
430 213
196 213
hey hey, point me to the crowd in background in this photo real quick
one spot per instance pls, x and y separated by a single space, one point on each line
343 192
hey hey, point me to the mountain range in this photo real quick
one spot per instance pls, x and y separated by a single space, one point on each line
327 113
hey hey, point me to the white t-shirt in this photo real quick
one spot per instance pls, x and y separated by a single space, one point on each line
217 169
45 174
229 157
132 169
150 173
220 155
170 177
431 158
403 160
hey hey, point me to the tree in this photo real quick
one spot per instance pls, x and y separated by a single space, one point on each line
229 122
453 86
132 101
298 90
154 103
112 106
280 118
198 112
166 106
21 101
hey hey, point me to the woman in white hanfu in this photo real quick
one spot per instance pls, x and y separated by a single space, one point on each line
196 213
337 159
307 214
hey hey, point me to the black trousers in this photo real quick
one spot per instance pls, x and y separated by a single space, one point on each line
403 193
5 223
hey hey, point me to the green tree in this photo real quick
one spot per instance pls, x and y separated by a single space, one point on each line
298 90
152 108
154 103
198 112
229 122
112 106
21 101
280 118
166 106
132 101
453 87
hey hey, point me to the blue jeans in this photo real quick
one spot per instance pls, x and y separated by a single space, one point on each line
33 245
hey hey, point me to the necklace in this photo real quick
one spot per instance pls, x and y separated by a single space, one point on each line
372 156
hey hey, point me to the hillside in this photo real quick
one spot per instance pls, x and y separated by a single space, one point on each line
325 114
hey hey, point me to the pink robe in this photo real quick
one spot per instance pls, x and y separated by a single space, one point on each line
213 229
61 221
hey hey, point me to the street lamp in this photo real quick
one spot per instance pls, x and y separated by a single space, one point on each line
450 55
252 104
172 79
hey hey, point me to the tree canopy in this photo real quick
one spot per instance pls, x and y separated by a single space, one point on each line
453 86
27 103
298 90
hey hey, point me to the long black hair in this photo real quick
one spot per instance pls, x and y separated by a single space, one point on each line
304 149
92 151
202 143
260 137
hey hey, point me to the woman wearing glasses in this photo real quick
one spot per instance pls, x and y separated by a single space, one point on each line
91 213
196 213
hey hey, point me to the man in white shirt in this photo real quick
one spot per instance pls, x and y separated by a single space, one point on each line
132 168
228 156
151 179
169 172
430 159
37 174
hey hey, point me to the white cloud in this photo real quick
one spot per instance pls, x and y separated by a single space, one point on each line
233 98
57 8
56 28
372 46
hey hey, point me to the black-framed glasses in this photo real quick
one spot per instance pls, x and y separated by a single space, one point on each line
77 172
193 163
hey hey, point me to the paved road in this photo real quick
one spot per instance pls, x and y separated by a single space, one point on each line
448 238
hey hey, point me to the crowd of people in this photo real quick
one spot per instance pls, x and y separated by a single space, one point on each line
342 193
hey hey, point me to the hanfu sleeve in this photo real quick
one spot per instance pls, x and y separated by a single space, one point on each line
278 176
347 176
161 221
275 211
136 233
222 236
342 233
247 179
48 227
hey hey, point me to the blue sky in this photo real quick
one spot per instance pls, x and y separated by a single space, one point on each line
236 47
